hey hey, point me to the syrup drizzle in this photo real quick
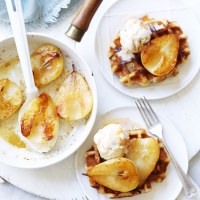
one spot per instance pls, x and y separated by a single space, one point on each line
117 49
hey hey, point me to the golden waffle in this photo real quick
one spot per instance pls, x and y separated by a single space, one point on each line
158 175
133 72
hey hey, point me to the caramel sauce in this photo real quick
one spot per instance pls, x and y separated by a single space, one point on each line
117 49
134 61
9 135
6 66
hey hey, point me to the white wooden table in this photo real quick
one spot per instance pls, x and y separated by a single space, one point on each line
183 108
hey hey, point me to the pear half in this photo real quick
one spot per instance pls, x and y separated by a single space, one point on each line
74 99
40 124
159 56
47 64
118 174
144 152
10 98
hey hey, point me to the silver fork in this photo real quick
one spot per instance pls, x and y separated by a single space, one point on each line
154 128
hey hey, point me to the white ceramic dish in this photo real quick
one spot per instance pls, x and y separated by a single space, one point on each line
113 20
169 188
67 143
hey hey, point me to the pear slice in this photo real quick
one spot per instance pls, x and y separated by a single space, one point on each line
118 174
10 98
74 99
159 56
144 152
40 124
47 64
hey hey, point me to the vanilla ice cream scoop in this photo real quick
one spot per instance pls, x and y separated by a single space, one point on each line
112 141
134 35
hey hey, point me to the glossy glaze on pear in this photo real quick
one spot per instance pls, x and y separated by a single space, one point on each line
74 99
159 56
144 153
10 98
119 174
47 64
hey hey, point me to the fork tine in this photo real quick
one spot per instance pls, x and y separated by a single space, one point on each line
142 114
149 112
145 111
152 111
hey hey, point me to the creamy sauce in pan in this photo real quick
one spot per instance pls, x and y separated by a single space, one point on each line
9 127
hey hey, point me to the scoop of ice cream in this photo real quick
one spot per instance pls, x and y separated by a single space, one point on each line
134 35
111 141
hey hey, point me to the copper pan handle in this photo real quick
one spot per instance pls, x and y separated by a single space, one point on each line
81 21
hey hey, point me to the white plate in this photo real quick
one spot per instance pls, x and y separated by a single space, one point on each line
67 143
175 10
169 188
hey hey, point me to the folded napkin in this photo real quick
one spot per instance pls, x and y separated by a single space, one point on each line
41 12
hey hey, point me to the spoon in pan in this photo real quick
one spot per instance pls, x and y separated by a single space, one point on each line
14 8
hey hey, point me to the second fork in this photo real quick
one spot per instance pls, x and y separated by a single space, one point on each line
154 128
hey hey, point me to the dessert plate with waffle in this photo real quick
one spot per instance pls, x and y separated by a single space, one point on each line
121 160
152 53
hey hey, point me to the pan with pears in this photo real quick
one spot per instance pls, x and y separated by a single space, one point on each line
124 163
64 95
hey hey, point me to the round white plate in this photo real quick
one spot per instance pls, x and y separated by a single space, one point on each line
174 10
66 143
129 116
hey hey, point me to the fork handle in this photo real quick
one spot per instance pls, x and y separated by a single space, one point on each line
188 186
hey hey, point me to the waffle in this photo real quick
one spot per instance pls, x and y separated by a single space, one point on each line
133 72
158 174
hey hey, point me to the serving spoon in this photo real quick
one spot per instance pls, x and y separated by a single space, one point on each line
15 13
